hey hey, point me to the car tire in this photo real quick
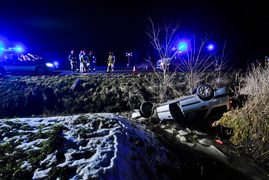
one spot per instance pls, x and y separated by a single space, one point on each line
40 70
205 92
146 109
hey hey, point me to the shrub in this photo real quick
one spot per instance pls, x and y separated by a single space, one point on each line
251 123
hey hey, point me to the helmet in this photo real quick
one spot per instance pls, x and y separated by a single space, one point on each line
72 51
90 52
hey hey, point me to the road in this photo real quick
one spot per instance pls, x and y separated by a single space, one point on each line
63 72
102 71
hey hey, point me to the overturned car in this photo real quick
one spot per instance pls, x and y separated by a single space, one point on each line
204 103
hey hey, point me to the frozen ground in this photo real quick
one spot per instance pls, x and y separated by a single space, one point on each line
108 146
92 146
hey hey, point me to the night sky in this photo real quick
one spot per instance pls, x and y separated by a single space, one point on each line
53 28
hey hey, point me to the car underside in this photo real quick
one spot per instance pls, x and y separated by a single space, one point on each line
204 104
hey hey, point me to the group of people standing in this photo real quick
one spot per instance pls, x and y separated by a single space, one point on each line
87 62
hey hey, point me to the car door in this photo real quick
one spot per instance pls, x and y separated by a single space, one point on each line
23 63
10 62
194 108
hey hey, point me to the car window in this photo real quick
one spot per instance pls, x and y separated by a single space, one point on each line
10 57
29 57
23 57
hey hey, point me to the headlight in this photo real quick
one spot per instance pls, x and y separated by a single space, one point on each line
49 64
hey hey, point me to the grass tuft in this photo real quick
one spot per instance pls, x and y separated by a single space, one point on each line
251 122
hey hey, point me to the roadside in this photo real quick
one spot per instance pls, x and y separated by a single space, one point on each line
206 151
25 96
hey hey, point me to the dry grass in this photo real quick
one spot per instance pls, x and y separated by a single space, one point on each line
251 123
51 95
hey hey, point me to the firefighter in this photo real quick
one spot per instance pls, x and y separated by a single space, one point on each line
110 62
91 62
84 62
73 61
81 61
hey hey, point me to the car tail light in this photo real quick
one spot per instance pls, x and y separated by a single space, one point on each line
230 104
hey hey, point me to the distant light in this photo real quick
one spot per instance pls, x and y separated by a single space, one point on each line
56 64
210 47
182 46
18 48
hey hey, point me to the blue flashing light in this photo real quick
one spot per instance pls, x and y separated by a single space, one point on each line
210 47
56 64
19 49
182 46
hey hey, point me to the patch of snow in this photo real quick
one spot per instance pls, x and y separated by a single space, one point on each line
213 152
183 133
30 145
40 174
49 160
26 165
105 145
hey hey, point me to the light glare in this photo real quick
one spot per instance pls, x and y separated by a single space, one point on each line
210 47
49 64
182 46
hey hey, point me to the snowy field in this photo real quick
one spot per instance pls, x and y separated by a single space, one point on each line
108 146
92 146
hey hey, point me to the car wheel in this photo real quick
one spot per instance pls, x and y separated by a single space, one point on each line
40 70
205 92
146 109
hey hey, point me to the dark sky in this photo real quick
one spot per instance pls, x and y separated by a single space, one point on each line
53 28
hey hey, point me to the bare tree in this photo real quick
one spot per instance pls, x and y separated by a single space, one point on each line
163 39
221 61
194 62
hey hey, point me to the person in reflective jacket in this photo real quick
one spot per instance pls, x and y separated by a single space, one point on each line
84 62
81 61
91 62
110 62
73 61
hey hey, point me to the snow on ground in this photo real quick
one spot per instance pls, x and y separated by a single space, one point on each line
101 146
